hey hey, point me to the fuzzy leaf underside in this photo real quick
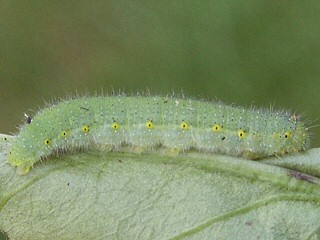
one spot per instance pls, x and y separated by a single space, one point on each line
122 195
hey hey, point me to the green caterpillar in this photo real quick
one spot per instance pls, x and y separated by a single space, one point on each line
144 123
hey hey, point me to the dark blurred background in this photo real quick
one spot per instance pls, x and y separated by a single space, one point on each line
263 53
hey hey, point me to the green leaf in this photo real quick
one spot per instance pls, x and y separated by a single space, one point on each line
121 195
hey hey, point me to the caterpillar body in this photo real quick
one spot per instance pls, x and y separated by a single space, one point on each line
147 122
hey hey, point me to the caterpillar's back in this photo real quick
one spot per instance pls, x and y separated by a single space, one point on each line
145 123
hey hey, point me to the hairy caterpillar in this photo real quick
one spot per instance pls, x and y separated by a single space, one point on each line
146 122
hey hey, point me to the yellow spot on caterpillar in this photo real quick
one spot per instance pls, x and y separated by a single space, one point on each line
47 141
115 125
149 125
241 133
216 128
85 128
184 126
64 134
287 135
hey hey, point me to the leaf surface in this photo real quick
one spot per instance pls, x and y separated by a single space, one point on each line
122 195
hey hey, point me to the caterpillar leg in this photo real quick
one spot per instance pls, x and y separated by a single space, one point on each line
251 155
23 170
173 152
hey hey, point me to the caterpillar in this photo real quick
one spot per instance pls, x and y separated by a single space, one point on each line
145 123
